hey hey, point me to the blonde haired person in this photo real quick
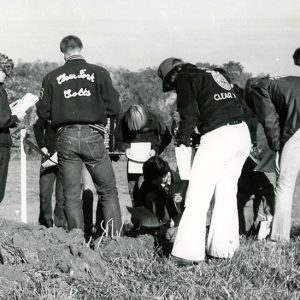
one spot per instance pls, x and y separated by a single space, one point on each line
135 117
139 124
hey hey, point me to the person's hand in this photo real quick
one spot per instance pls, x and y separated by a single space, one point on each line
45 150
152 153
182 146
277 159
20 115
127 152
21 125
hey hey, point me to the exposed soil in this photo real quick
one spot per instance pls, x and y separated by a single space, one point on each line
31 251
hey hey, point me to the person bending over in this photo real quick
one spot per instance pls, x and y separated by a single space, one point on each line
139 124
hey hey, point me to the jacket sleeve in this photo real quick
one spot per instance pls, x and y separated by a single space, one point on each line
118 133
39 129
164 137
7 120
187 109
267 115
110 96
43 107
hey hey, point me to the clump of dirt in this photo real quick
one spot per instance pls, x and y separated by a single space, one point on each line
28 252
23 247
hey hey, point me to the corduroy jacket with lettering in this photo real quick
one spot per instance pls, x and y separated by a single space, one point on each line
78 93
204 99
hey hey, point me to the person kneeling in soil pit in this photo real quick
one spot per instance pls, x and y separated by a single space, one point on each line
162 194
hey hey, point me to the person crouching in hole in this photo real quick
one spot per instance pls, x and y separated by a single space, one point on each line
163 194
140 125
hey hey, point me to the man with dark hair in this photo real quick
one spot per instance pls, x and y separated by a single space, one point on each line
70 42
7 120
162 192
77 98
277 104
206 99
296 57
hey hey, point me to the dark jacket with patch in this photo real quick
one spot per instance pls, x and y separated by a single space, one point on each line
164 202
78 93
6 119
277 105
204 99
155 132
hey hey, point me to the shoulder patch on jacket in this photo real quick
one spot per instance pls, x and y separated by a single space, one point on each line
220 80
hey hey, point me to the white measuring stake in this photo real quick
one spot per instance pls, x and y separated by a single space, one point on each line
23 178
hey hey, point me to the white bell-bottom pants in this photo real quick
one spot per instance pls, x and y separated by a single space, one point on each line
216 169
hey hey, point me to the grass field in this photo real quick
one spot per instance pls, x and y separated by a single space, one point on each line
137 270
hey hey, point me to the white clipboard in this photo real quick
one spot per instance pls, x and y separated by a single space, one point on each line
184 158
139 153
23 104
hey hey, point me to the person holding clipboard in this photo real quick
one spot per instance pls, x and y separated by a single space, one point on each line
7 120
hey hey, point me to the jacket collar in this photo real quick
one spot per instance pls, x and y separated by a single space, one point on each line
73 57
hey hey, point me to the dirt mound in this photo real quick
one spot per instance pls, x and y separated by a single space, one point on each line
28 252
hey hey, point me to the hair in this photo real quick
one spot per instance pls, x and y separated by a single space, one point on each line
296 54
6 64
135 117
70 42
155 167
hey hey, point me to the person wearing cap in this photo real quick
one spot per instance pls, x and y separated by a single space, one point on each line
77 98
206 99
296 57
7 120
276 102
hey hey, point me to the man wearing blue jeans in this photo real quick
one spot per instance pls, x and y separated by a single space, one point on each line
277 104
77 97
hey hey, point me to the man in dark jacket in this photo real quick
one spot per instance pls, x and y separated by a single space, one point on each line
7 120
277 104
45 136
206 99
76 98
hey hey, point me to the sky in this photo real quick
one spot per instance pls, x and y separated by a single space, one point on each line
260 34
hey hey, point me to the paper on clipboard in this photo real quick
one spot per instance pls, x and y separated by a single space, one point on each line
139 153
23 104
184 157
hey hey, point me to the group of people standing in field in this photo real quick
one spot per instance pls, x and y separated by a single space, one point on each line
77 98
